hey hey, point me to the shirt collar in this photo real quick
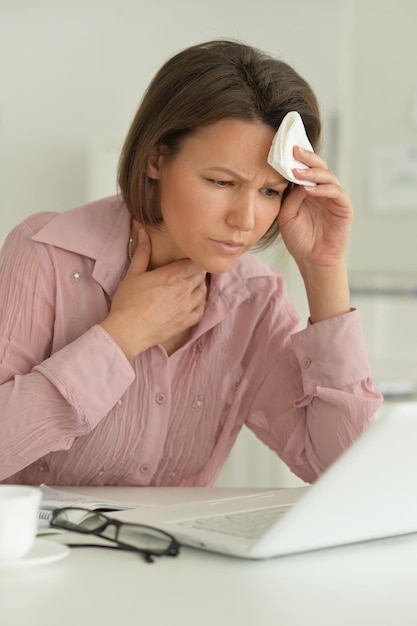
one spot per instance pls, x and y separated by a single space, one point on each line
231 289
100 231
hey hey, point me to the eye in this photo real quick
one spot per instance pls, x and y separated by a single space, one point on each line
270 193
219 183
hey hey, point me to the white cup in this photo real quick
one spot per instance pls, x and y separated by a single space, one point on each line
19 507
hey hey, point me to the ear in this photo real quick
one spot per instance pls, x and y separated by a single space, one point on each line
156 155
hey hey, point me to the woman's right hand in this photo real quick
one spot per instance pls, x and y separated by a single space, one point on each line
150 307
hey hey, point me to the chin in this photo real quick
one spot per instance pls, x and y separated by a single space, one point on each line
219 267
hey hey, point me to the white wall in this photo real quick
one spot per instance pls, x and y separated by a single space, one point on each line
379 111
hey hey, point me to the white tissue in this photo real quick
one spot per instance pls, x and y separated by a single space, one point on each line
290 133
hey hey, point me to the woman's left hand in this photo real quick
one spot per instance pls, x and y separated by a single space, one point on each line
315 222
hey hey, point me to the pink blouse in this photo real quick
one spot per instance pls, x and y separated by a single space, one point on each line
75 411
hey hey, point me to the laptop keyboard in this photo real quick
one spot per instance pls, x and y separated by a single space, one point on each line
248 524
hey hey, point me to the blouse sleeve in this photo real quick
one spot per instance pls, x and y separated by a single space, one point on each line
47 400
328 398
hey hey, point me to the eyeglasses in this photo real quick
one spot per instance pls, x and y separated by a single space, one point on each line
146 540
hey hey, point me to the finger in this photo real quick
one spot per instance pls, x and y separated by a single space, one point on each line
316 175
198 280
193 289
198 303
309 158
200 290
330 191
181 275
142 254
188 269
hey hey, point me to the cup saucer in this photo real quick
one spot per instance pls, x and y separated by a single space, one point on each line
42 553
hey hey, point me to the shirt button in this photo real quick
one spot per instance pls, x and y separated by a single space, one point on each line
119 403
160 398
144 469
306 362
197 403
101 472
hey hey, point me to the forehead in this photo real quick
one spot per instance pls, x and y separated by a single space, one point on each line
240 147
233 131
230 142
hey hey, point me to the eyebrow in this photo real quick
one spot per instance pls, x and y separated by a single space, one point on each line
243 179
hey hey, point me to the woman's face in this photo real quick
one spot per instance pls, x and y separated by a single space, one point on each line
218 195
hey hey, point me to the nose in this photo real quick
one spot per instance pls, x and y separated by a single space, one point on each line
241 214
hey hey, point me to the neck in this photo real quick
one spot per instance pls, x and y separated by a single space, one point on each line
160 244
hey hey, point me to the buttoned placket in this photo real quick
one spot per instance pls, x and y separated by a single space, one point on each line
155 433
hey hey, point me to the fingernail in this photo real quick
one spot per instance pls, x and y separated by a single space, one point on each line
141 235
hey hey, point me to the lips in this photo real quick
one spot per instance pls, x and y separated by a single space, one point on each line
228 247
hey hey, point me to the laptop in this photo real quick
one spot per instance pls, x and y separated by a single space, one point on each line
368 493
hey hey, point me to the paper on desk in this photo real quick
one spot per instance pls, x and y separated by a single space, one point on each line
53 498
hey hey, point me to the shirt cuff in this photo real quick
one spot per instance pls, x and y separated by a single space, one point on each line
332 353
91 373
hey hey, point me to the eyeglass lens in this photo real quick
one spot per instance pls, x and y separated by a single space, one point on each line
132 535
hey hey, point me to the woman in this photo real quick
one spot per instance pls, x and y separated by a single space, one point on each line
138 333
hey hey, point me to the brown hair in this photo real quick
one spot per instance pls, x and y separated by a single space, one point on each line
199 86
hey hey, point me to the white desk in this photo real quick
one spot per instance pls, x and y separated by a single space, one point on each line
373 584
